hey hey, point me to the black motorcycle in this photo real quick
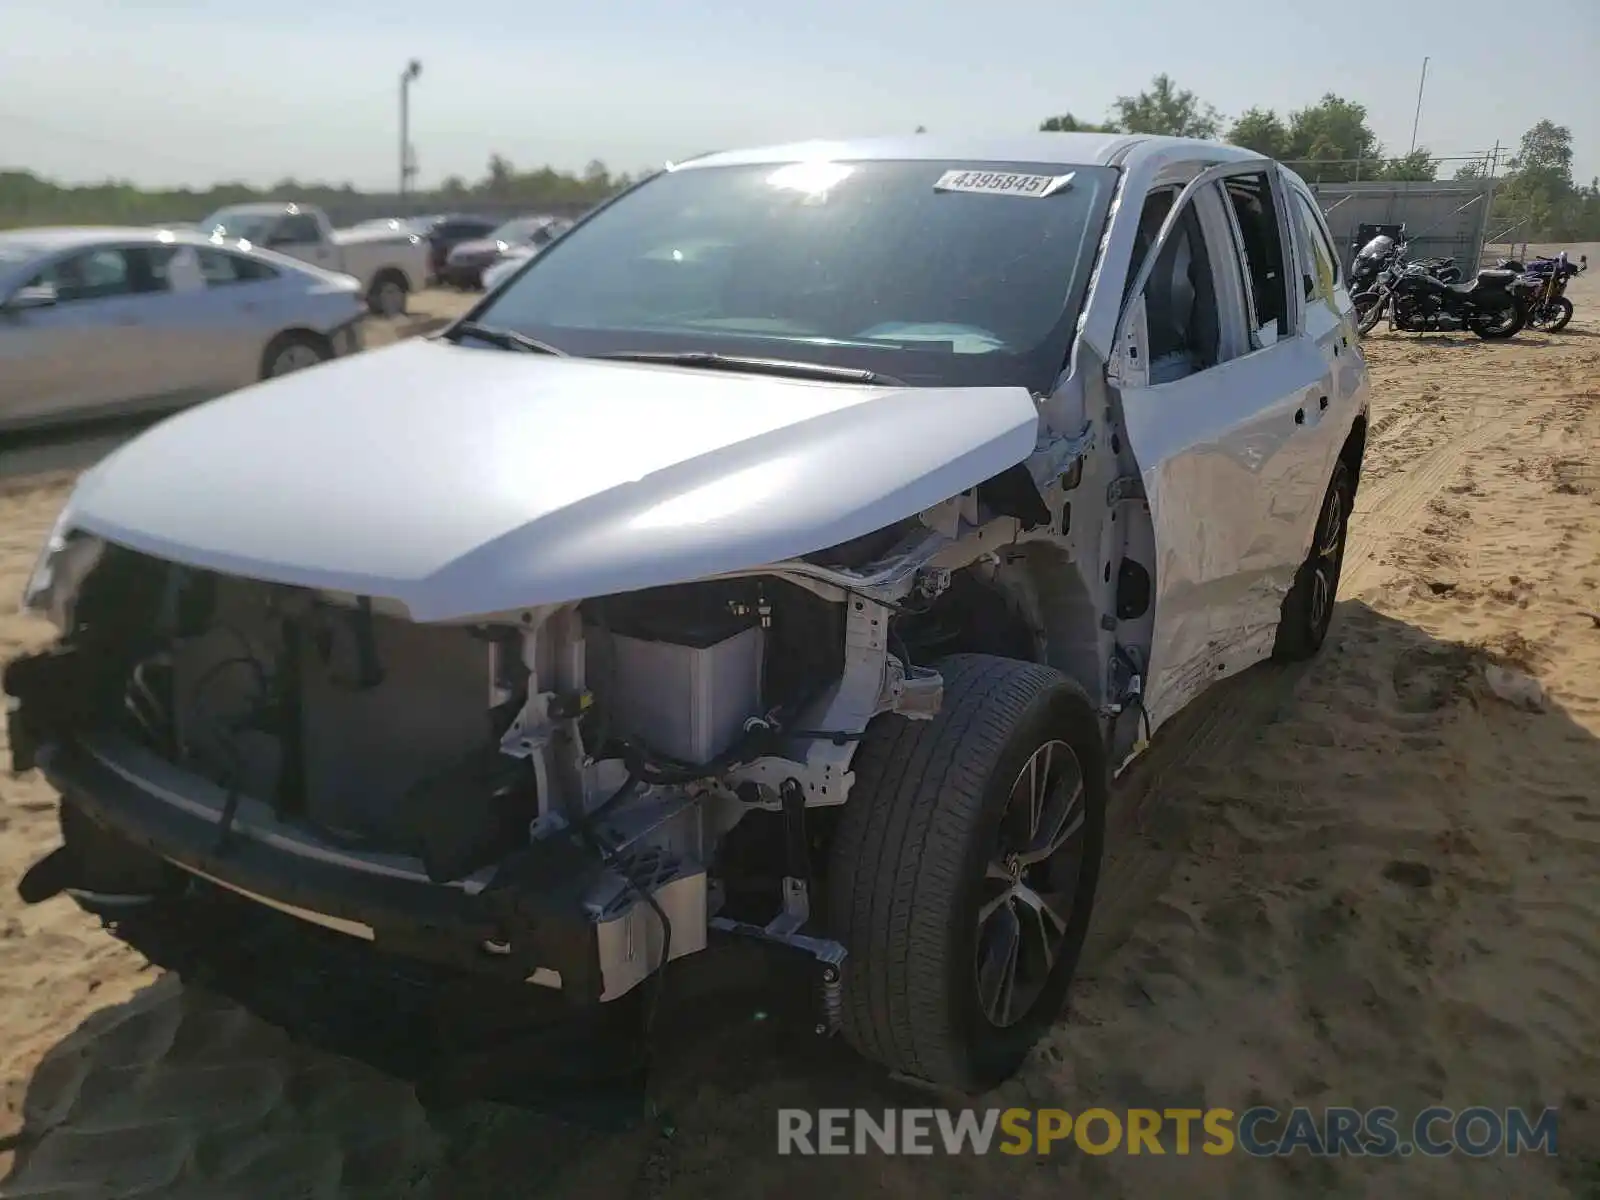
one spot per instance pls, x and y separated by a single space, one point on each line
1379 266
1442 269
1371 275
1489 306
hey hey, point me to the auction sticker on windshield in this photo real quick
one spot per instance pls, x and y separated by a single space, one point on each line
1002 183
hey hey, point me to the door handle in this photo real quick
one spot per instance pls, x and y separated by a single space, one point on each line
1299 416
1322 403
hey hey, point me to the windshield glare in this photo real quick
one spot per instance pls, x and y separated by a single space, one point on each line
519 230
862 264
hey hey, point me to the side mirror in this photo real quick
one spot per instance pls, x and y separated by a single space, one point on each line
42 296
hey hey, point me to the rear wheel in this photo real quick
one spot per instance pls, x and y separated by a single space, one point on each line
387 296
963 871
1496 326
1308 608
1551 317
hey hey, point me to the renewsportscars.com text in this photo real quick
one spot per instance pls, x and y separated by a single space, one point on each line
1259 1132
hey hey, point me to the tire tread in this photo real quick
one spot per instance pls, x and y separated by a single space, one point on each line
896 875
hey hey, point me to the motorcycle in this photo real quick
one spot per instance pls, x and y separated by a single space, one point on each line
1442 269
1542 286
1489 306
1378 266
1371 277
1418 300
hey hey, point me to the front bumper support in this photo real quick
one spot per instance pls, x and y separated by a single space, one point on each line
524 925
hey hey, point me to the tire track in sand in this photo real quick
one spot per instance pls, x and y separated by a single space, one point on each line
1399 483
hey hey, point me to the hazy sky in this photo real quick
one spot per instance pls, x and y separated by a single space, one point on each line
192 91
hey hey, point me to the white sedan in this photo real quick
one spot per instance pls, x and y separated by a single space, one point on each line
101 320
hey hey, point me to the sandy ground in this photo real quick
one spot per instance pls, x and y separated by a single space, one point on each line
1365 881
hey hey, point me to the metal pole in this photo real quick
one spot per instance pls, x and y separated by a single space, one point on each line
405 132
1488 198
1417 120
413 69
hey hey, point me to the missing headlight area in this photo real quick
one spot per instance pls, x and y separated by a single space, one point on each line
596 755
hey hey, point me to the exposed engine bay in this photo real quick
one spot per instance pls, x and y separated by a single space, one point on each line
646 728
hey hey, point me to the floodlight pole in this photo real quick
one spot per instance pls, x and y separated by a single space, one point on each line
413 69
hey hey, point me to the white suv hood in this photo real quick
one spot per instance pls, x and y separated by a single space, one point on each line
463 482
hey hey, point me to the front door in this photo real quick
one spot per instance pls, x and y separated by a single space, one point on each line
300 236
1220 399
84 353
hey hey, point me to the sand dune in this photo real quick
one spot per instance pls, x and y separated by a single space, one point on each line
1368 880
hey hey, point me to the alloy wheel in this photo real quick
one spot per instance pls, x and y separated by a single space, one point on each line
1026 900
1325 558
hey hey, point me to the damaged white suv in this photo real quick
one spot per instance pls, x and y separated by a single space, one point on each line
794 551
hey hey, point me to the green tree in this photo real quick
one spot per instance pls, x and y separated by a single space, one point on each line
1538 195
1067 123
1263 131
1165 108
26 199
1329 140
1416 167
498 181
1545 156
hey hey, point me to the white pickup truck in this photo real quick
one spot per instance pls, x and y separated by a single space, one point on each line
390 263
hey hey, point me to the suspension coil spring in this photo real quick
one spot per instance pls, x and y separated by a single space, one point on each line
832 998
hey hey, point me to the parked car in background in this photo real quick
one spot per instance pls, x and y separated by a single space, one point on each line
465 264
791 554
101 320
445 232
391 263
513 257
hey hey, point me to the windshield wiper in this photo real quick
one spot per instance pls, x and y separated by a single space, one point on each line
506 339
710 361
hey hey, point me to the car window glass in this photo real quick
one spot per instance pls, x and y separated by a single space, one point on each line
174 268
1265 263
105 272
1319 272
297 230
1180 299
218 268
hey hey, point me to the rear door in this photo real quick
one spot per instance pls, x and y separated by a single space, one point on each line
1328 319
1220 400
241 302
